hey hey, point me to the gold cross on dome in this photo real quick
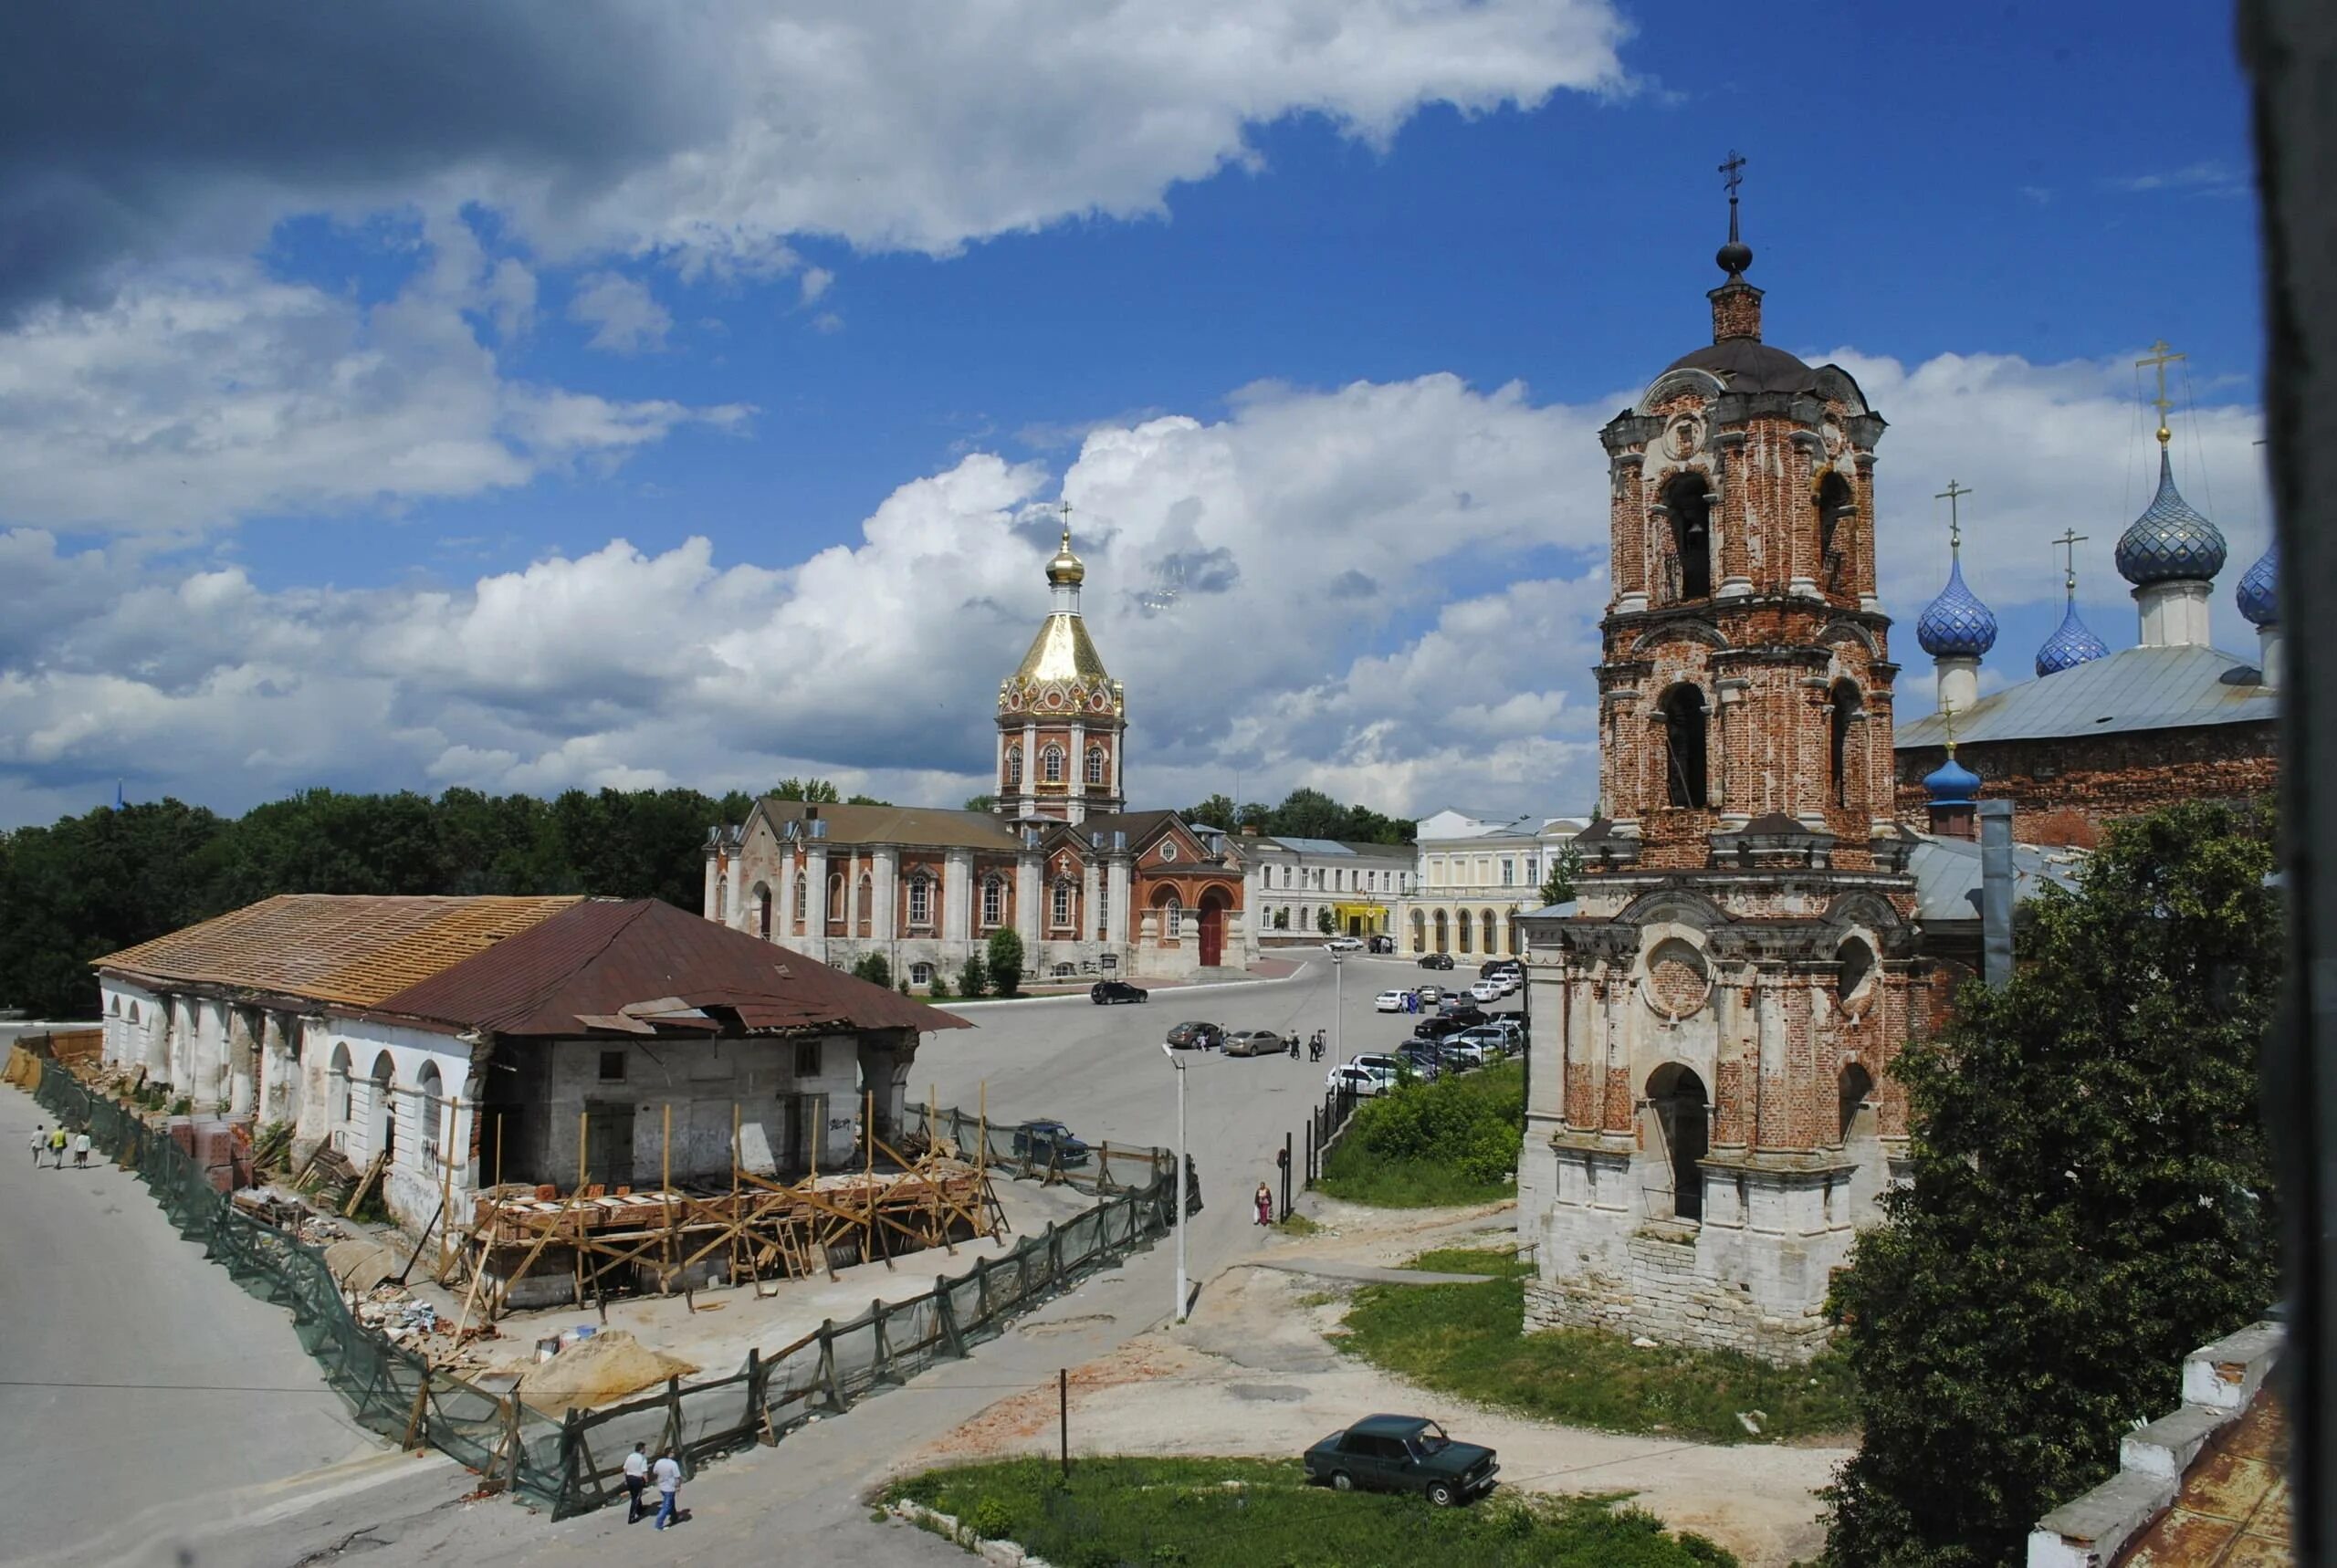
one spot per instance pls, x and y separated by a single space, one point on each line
2068 541
1064 507
2159 358
1954 526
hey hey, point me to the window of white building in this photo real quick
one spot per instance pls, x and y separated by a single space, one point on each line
993 901
920 899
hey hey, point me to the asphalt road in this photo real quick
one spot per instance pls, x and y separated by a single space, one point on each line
136 1379
1099 1069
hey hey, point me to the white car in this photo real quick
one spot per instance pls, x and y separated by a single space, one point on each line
1388 1002
1485 991
1483 1044
1344 943
1365 1081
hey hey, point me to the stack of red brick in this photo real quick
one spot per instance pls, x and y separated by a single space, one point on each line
223 1150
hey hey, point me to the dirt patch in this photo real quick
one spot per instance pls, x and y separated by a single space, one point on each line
607 1367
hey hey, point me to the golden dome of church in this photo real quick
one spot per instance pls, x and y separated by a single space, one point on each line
1061 716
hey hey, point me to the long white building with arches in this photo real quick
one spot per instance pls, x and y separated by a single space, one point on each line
1474 876
467 1041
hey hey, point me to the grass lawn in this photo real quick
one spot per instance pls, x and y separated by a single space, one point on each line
1148 1513
1464 1340
1433 1145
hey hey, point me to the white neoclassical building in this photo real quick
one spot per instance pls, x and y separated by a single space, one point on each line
1474 875
1292 884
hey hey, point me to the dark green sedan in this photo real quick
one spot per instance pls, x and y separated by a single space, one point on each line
1402 1453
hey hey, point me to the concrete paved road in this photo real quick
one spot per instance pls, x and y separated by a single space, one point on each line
1100 1069
136 1378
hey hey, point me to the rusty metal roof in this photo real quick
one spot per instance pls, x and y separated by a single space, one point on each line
354 949
640 966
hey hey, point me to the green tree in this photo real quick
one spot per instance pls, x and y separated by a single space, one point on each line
864 800
1005 960
1217 811
974 979
1324 922
871 967
815 791
1566 870
2091 1199
1309 814
982 802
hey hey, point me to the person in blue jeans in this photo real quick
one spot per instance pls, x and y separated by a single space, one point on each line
667 1472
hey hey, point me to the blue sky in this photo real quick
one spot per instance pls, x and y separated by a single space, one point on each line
1353 292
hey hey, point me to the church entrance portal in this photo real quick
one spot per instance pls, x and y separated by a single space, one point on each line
1676 1098
1212 923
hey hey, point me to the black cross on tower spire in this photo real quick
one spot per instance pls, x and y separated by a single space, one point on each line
1735 256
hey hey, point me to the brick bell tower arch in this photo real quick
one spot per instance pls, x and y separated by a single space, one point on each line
1685 1167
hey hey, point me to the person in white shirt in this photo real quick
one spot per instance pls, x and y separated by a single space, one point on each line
668 1472
81 1150
40 1142
636 1476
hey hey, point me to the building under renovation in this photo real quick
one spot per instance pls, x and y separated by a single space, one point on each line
461 1043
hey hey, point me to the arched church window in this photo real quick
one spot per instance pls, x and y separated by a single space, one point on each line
1014 764
1096 765
1062 909
1420 933
867 901
802 899
1172 925
993 901
1050 764
920 899
721 900
1683 710
1460 923
762 911
1440 931
836 911
1690 506
1834 506
1838 749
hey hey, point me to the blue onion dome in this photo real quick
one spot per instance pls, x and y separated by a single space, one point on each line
1952 783
2171 541
2259 588
1957 625
2071 644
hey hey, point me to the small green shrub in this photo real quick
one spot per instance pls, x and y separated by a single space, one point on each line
990 1519
973 981
1006 960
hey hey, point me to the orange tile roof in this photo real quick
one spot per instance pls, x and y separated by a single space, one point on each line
354 949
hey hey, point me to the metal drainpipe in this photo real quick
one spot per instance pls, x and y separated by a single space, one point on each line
1995 893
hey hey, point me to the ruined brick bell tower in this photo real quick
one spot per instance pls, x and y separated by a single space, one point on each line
1710 1115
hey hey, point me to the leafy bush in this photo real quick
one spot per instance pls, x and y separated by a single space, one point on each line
937 988
1454 1141
973 981
871 967
1006 960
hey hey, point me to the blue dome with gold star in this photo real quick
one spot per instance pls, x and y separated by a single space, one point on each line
1957 625
2172 541
2259 588
2073 643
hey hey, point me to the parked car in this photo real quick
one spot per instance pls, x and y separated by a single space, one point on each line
1389 1002
1380 1061
1466 1015
1382 944
1255 1042
1485 991
1480 1045
1424 1059
1196 1037
1047 1142
1492 967
1357 1079
1402 1453
1344 943
1103 993
1430 996
1436 960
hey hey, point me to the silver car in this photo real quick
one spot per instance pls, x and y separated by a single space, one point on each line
1255 1042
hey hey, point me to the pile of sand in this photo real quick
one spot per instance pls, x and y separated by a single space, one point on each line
606 1367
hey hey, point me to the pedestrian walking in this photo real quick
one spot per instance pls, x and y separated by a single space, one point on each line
56 1144
40 1142
669 1472
1265 1202
636 1476
81 1150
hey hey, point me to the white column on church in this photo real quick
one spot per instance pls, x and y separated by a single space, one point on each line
1123 917
243 1064
815 891
1028 868
888 875
275 1069
1030 786
957 895
1089 876
1079 763
1119 749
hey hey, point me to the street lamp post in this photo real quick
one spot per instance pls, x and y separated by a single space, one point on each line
1170 1051
1338 1009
